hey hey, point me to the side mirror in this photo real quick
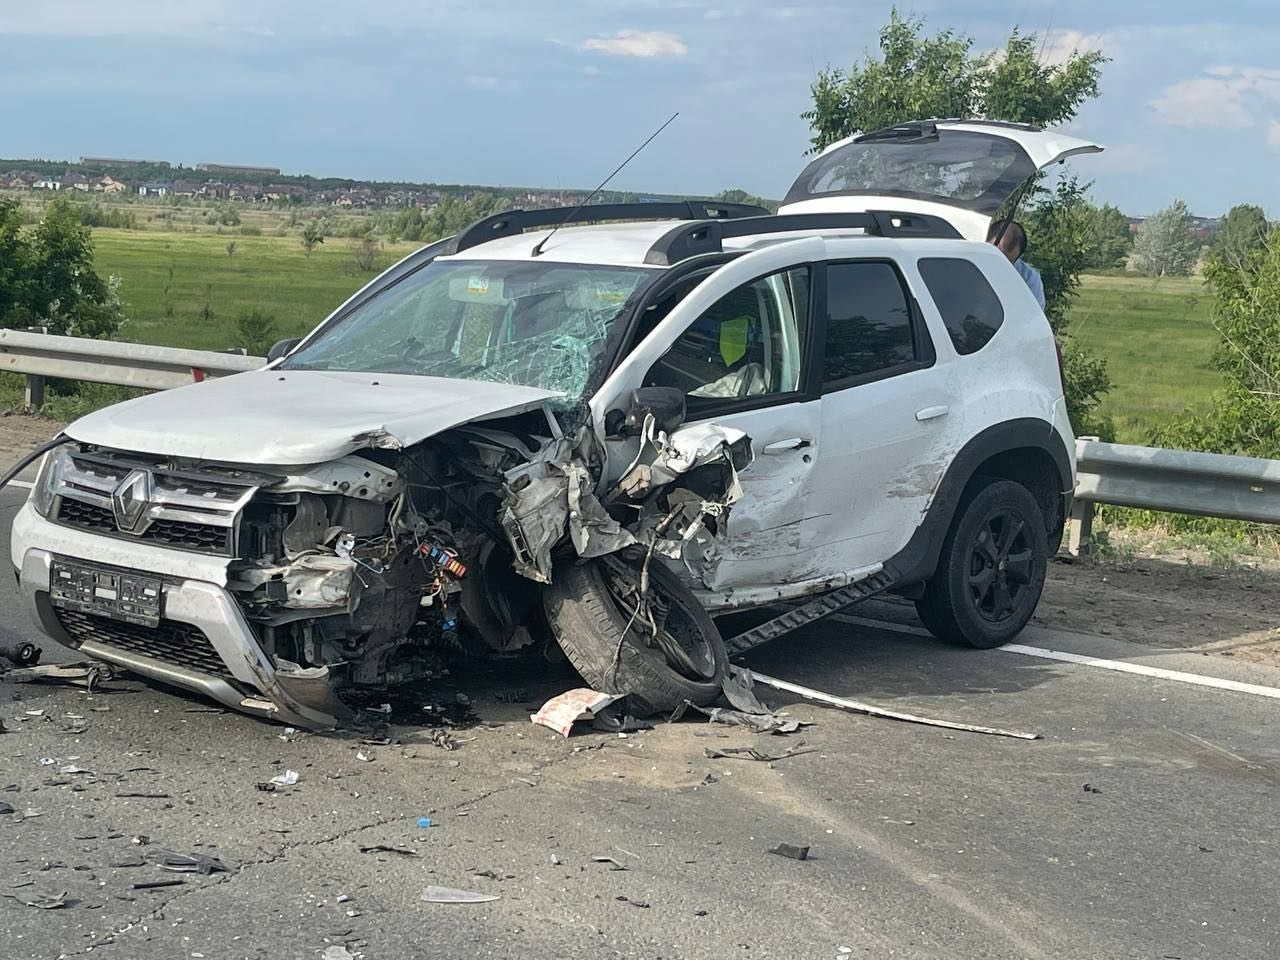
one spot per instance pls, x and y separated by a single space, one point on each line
666 404
282 348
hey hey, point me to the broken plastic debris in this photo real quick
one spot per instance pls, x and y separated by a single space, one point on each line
286 779
385 848
751 753
361 755
737 688
42 901
72 768
759 722
190 862
614 864
790 850
47 761
424 822
434 894
336 951
5 807
561 712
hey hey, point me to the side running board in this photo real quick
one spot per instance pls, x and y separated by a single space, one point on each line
810 612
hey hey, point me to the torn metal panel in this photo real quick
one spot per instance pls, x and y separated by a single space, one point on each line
594 533
354 477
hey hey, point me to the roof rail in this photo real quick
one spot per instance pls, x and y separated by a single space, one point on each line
692 239
511 223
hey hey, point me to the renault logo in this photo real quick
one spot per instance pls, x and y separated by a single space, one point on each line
130 500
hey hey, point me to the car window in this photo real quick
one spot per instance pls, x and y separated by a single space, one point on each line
868 321
750 343
970 309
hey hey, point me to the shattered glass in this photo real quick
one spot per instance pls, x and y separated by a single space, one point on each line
524 322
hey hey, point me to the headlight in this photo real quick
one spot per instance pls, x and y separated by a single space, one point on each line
48 478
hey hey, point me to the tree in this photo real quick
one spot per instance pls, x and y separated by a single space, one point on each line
1108 239
47 276
741 196
312 236
256 331
1243 231
917 77
1166 245
1245 416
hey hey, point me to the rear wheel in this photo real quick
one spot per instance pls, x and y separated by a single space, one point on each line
991 571
660 658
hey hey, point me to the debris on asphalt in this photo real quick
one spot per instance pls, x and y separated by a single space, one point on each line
1090 788
751 753
47 761
858 707
190 862
759 722
85 673
22 653
71 768
154 884
425 822
140 839
141 795
561 712
738 690
555 860
635 903
386 848
336 951
790 850
614 864
443 740
54 901
5 807
286 779
131 862
434 894
607 720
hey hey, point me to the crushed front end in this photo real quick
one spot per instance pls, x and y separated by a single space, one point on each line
279 591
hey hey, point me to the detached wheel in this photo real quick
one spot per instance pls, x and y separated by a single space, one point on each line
591 609
991 571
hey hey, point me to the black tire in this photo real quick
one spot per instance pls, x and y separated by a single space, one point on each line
589 621
991 571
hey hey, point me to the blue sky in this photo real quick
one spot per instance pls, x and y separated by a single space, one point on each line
557 92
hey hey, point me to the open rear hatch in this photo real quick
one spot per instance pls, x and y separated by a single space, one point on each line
961 170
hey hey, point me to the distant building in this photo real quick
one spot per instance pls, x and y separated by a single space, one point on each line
47 183
75 181
154 188
117 162
237 168
109 185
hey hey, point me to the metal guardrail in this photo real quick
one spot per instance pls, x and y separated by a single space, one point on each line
40 355
1151 478
1171 481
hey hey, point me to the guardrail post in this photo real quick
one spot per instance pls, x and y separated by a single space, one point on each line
1080 528
35 382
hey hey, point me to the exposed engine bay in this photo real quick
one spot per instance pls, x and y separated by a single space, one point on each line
374 569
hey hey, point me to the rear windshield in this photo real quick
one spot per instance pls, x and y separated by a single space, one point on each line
975 171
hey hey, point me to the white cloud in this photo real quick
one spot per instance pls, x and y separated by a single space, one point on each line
1273 135
1057 46
638 43
1224 97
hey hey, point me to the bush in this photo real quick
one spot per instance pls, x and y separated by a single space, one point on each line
364 253
250 230
256 331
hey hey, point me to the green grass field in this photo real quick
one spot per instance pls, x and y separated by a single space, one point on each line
168 278
1158 343
1155 334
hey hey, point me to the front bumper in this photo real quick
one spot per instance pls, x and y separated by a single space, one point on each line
250 682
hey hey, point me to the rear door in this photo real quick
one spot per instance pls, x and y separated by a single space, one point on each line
890 417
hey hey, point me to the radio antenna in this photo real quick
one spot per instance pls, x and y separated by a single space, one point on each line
603 183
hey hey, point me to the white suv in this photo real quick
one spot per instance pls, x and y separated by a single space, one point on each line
607 430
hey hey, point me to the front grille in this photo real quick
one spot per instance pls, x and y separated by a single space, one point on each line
202 537
172 642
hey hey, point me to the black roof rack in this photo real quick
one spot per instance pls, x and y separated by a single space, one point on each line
510 223
693 239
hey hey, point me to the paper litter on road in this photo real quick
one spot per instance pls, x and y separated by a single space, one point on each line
561 712
286 779
434 894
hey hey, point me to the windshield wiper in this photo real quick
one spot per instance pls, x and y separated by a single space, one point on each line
918 132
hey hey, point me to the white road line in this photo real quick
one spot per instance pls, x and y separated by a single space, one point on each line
1158 672
1120 666
25 484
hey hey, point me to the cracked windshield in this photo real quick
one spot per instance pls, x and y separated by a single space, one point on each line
522 322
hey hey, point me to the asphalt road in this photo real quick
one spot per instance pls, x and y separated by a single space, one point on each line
1142 825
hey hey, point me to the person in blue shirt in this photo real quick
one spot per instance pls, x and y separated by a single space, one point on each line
1011 238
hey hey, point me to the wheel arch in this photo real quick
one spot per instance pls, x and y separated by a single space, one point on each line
1028 451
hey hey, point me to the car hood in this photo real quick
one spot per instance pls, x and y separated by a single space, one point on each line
291 417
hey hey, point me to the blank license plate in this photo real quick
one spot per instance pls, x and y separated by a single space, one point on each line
120 595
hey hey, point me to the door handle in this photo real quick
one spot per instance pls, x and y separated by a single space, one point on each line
932 413
791 443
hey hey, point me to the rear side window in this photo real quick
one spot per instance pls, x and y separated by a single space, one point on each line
970 308
868 321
